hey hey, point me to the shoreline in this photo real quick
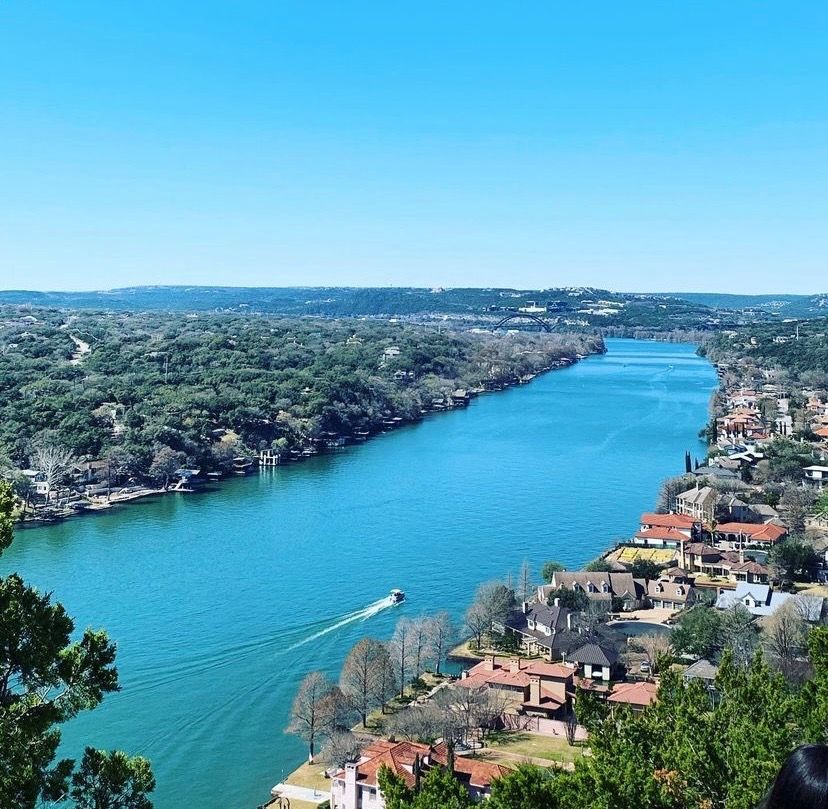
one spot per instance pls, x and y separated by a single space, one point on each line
203 486
461 652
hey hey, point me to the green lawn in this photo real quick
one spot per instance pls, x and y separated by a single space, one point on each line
517 743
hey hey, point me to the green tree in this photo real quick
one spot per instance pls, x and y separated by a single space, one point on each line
697 632
112 780
571 599
549 569
599 565
46 680
645 569
528 787
394 790
792 558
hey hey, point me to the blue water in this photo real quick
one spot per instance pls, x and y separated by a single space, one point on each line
213 597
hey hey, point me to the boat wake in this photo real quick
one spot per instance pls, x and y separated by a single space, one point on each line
350 618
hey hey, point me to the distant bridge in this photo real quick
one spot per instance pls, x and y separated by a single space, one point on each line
544 324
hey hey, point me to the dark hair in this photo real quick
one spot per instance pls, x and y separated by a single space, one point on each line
802 782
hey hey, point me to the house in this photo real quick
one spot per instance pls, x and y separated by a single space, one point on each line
356 785
599 587
667 538
679 522
718 472
543 630
597 660
535 688
731 565
91 471
702 670
816 476
740 534
732 508
761 600
637 696
37 480
762 512
670 593
698 503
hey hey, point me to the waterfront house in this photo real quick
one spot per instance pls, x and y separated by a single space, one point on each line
667 538
698 503
37 481
636 696
544 630
628 592
356 786
739 534
716 472
533 688
678 522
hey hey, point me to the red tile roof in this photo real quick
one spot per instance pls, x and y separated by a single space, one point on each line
663 534
668 520
633 693
399 758
500 673
768 532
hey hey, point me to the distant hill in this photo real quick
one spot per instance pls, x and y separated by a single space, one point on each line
804 306
569 307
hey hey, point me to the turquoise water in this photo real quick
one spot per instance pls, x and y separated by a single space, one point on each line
220 602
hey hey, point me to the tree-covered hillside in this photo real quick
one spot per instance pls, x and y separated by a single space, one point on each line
208 386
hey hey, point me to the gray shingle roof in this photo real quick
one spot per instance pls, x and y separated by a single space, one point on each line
595 655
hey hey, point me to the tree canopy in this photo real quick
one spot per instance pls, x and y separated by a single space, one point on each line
47 679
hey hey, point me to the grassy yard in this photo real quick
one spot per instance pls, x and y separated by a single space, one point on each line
510 746
311 776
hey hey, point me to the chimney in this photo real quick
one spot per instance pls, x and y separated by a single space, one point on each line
514 665
489 663
350 792
534 691
557 602
569 620
525 607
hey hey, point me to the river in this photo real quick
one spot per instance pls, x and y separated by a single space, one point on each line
220 602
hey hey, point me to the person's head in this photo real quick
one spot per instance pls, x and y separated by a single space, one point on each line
802 782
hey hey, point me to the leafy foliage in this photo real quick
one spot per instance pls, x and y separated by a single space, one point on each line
46 680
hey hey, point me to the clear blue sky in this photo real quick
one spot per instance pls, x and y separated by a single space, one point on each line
631 145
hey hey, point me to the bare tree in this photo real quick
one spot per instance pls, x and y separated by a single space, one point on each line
54 462
419 638
653 646
670 489
401 649
308 714
362 676
386 679
338 712
785 634
496 599
342 747
478 623
525 586
441 634
421 723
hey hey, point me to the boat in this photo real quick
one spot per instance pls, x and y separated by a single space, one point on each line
397 596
